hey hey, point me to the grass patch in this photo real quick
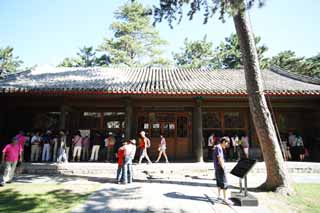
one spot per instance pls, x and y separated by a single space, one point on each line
47 198
306 199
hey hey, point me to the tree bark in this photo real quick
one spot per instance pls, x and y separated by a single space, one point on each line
128 118
198 130
277 175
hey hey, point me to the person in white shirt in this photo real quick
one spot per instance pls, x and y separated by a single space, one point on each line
77 146
35 147
211 141
144 145
129 153
235 144
245 145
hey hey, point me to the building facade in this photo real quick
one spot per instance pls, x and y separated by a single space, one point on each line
184 105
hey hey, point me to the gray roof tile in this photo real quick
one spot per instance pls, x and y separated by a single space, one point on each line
153 81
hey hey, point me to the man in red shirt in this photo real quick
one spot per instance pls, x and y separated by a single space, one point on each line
10 157
120 153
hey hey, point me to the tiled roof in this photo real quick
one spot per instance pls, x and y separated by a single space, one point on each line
150 81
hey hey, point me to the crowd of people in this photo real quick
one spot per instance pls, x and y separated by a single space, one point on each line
237 148
293 147
60 146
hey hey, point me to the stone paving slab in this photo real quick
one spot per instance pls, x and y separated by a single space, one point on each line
155 197
158 194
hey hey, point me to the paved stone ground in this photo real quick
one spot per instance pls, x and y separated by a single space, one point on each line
160 191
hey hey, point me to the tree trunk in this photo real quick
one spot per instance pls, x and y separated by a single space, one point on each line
128 119
277 175
198 130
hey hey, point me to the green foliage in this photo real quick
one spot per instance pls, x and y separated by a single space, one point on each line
8 63
68 62
86 58
305 66
196 54
229 53
172 10
135 41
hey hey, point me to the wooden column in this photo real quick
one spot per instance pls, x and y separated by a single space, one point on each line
198 136
129 119
62 119
1 121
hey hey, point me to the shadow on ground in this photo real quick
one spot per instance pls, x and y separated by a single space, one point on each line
14 201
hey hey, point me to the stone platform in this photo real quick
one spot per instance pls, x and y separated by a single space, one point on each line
200 169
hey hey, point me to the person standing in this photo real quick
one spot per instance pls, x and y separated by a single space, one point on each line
22 139
162 149
300 147
68 143
85 148
211 141
96 146
117 144
120 177
35 147
27 148
235 140
219 166
292 139
10 157
46 140
54 146
62 150
144 145
245 146
109 144
77 146
130 152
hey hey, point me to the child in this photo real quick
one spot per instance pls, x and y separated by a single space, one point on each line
121 151
10 158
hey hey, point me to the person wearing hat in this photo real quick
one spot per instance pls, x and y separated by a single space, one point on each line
144 144
129 153
10 157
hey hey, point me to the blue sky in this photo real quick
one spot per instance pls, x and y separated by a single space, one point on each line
46 31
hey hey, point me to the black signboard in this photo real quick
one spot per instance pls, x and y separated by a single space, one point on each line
243 167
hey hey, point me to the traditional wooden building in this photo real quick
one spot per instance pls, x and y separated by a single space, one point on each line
185 105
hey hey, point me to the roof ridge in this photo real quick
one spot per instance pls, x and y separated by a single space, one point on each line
295 76
13 75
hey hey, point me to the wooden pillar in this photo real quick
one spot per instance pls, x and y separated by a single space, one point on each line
2 122
62 118
198 136
129 119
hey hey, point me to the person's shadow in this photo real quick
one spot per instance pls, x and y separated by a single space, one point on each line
204 198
